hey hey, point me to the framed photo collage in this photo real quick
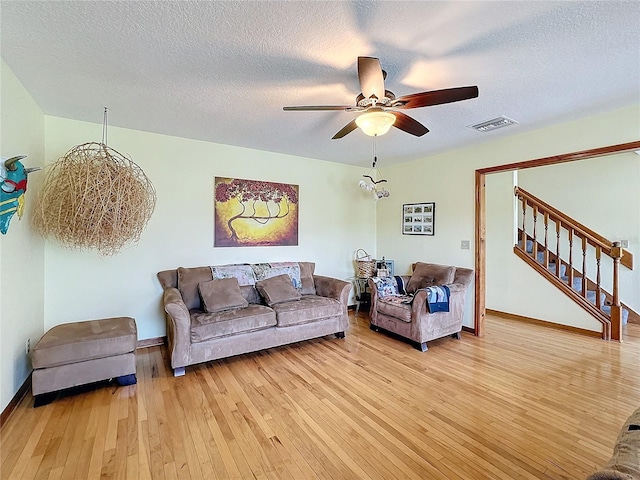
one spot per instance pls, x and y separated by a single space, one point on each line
418 218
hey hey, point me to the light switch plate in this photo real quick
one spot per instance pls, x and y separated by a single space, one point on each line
464 244
624 243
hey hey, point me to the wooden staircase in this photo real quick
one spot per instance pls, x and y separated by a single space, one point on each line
549 241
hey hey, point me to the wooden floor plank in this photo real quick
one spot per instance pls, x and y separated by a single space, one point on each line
523 402
29 441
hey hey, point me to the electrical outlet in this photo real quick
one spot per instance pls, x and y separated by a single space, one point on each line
624 243
464 244
28 345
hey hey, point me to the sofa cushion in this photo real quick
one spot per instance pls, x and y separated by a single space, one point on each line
277 289
430 274
308 309
250 293
264 271
81 341
188 280
221 294
205 326
306 276
243 272
395 306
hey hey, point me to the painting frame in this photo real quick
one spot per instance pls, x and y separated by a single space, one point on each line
419 218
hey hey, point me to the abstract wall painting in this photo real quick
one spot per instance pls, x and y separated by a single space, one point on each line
254 213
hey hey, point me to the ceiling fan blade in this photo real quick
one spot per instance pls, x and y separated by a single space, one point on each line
435 97
317 107
371 77
407 124
347 129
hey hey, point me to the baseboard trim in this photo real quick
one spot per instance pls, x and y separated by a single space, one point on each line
470 330
151 342
544 323
17 398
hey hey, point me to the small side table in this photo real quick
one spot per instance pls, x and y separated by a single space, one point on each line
362 293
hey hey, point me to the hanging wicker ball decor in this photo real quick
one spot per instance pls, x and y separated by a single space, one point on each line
96 198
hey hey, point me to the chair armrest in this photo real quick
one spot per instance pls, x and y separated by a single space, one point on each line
419 305
457 292
333 288
178 327
457 287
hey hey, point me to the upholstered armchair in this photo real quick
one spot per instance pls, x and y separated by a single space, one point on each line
399 304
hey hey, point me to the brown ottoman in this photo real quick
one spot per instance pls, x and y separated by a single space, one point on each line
74 354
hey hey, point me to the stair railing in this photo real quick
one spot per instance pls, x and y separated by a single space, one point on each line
592 247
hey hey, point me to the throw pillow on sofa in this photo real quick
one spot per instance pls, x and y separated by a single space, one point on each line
188 280
429 274
277 289
221 294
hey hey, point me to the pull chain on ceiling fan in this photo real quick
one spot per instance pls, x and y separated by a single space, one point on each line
380 107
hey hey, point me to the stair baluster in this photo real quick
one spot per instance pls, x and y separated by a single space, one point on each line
524 224
546 240
558 224
616 310
584 267
570 267
534 250
598 286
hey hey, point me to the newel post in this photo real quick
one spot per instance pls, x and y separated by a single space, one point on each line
616 310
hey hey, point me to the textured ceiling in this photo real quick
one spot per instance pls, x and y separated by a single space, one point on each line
222 71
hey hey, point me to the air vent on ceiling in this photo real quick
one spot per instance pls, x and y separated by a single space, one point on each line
492 124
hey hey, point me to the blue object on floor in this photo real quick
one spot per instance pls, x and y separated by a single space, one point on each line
125 380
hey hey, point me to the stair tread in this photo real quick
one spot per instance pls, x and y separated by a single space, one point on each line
625 313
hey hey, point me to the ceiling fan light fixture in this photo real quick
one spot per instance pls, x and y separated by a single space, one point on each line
375 122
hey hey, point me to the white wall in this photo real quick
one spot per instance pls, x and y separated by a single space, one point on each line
448 179
21 250
334 220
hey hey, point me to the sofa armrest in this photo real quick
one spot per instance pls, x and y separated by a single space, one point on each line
333 288
178 327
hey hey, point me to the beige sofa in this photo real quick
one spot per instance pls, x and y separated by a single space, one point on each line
625 461
207 319
408 316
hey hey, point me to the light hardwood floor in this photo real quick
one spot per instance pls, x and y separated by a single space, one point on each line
523 402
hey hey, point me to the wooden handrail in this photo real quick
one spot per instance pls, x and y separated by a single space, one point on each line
593 238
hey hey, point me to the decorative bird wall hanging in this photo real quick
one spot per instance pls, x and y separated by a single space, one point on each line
13 185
